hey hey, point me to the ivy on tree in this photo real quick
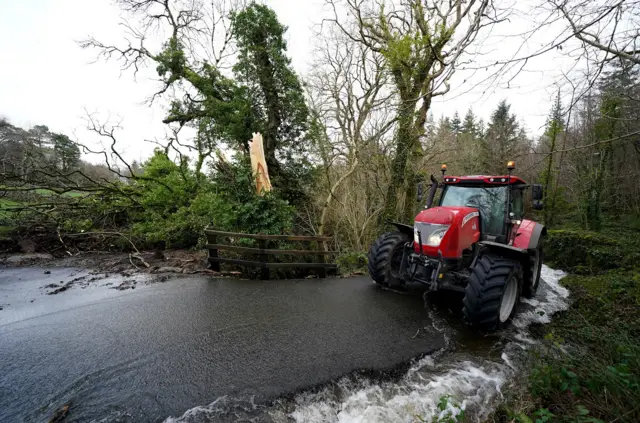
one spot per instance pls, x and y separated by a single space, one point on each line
278 109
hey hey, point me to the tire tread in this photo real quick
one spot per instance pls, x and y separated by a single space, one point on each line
481 303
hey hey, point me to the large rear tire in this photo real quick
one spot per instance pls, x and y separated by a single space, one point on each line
492 293
385 259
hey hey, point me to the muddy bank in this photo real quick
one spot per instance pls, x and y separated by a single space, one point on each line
28 279
123 264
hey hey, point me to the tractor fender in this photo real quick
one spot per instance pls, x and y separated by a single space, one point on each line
538 232
405 229
507 251
529 235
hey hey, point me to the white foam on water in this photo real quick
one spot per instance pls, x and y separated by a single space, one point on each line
199 413
404 401
474 386
548 301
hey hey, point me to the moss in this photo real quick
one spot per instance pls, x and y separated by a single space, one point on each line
585 252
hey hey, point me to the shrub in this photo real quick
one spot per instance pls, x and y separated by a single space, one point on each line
351 262
588 369
178 204
590 252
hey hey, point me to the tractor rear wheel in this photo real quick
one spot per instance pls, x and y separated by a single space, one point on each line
533 273
385 259
492 293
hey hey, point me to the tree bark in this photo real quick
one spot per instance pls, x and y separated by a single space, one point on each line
331 195
548 210
405 142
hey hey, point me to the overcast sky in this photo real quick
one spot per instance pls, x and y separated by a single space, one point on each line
46 78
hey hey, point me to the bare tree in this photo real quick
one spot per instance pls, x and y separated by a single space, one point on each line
606 26
421 43
350 98
196 38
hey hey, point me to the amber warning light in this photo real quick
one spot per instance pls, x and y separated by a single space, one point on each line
511 165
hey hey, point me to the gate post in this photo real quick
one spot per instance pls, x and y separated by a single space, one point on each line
264 259
213 252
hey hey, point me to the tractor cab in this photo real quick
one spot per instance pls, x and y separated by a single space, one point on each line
489 195
477 223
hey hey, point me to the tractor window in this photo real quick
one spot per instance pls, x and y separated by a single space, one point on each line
490 201
517 204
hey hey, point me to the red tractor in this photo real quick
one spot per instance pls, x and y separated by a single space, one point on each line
475 241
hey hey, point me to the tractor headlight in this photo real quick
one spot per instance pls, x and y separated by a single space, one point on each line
430 233
436 236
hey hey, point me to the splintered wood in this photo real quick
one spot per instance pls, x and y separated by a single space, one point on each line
259 164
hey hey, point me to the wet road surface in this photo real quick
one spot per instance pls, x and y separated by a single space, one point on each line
161 349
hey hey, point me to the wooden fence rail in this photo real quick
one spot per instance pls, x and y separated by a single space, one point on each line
263 252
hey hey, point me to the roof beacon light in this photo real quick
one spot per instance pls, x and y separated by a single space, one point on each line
443 168
511 165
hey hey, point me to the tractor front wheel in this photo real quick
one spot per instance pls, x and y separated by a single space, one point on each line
385 259
492 293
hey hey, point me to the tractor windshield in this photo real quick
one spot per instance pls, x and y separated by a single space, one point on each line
488 200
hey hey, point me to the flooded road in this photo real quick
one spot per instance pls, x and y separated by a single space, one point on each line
469 374
167 349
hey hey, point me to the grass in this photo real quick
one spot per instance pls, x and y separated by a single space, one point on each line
588 367
48 193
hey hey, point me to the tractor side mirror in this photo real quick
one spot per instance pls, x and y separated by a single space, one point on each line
536 192
536 195
420 188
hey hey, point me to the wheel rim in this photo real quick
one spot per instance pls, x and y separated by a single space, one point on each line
509 297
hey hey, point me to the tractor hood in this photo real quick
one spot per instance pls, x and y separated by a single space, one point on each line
443 215
446 231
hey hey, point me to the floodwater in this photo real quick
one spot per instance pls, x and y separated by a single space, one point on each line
471 371
203 349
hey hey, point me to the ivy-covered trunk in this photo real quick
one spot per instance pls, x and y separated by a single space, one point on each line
405 141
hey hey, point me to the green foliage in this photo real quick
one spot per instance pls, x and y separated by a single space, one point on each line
177 205
277 104
241 209
591 252
503 140
352 261
555 122
553 131
5 210
67 152
448 412
456 124
588 367
469 125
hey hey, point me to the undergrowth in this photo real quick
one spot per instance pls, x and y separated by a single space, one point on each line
587 368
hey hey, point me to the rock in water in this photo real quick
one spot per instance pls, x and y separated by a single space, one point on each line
60 414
